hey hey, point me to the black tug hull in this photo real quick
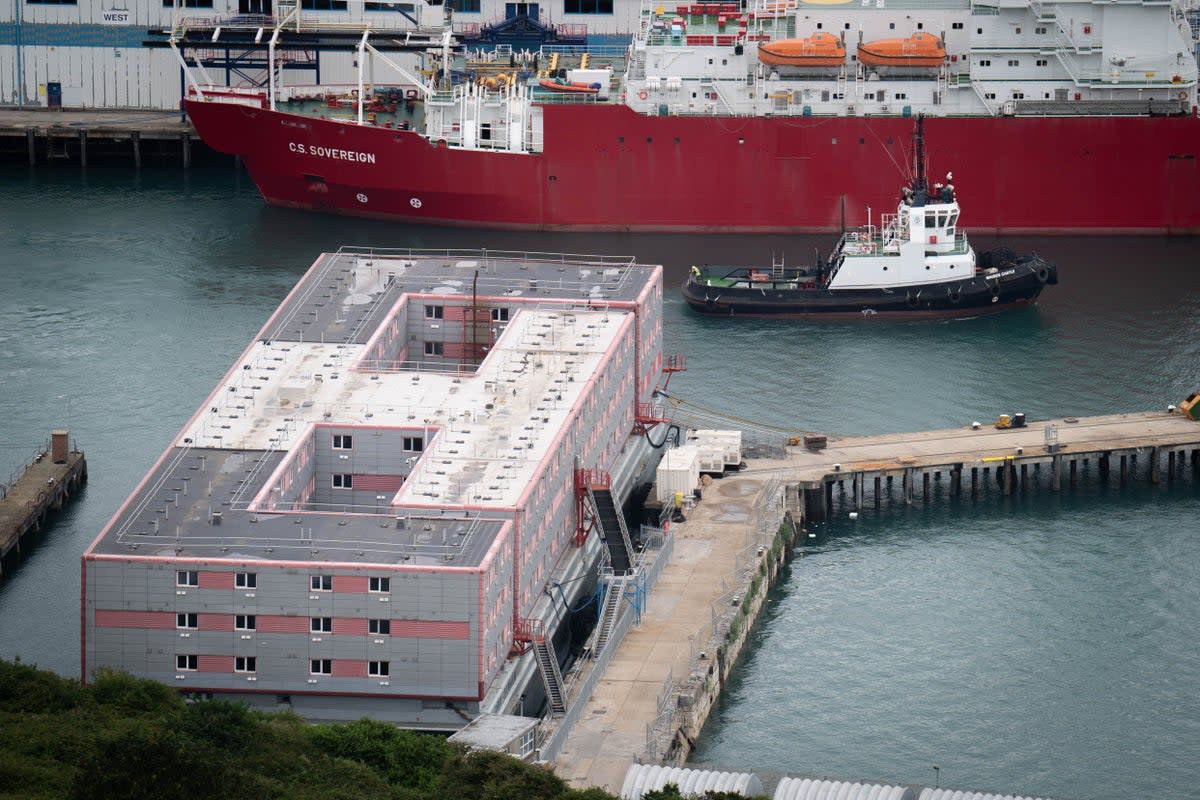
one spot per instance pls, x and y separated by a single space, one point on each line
1012 286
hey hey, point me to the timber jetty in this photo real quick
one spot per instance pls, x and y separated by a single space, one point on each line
47 482
44 136
1152 446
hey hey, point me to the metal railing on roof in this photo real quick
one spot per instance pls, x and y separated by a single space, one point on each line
485 254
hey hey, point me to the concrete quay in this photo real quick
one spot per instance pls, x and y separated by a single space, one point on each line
668 672
57 135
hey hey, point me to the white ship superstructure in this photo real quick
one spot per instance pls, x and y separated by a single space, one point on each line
1002 55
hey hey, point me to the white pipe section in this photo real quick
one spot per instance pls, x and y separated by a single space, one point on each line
362 54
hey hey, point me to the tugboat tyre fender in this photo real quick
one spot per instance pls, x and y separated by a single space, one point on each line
996 289
954 293
1043 274
912 299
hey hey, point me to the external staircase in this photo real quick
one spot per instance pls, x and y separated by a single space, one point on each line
613 530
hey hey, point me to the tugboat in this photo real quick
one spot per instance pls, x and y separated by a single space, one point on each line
915 264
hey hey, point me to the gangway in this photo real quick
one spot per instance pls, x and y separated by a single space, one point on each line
610 612
533 632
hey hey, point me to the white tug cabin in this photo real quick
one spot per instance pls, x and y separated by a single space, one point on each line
919 244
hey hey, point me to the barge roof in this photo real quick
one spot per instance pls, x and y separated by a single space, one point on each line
490 427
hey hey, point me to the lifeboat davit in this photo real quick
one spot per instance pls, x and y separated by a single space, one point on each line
818 50
918 50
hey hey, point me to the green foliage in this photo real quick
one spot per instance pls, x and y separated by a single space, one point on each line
125 694
26 688
126 738
227 726
486 775
146 761
404 758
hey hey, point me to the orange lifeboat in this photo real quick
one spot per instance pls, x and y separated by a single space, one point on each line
918 50
818 50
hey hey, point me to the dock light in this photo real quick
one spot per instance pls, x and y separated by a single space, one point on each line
837 467
1020 450
975 426
1170 409
853 515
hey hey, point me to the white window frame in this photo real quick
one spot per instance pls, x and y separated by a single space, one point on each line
187 577
341 480
245 580
187 662
379 584
187 620
245 622
320 624
321 583
343 441
379 669
375 626
317 666
245 663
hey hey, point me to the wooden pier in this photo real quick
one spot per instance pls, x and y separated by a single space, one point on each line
1151 446
47 135
48 481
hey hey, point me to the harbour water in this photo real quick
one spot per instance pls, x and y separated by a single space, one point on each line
1043 644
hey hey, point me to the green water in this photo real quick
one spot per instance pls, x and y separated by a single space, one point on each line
1042 644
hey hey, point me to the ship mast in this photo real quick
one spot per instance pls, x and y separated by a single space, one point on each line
920 183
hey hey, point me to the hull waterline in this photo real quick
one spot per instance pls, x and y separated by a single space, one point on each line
608 168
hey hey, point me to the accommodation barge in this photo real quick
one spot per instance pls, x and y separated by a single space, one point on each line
388 504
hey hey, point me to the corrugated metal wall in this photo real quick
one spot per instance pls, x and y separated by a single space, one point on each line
97 53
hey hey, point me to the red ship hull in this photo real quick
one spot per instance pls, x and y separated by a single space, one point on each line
606 167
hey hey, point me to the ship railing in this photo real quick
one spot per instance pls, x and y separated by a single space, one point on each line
233 95
486 256
552 98
595 51
1099 108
